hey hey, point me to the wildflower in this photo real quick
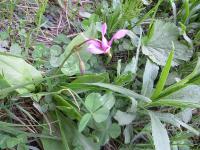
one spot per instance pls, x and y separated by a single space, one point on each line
103 46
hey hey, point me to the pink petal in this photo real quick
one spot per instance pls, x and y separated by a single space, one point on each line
103 29
95 46
95 50
95 42
118 35
104 43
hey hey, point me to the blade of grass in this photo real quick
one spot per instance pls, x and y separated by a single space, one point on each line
163 77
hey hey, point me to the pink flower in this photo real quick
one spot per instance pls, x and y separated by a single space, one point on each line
101 47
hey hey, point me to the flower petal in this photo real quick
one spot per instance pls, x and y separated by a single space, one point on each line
104 43
95 50
118 35
103 29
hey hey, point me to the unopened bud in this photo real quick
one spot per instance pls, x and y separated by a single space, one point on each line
82 66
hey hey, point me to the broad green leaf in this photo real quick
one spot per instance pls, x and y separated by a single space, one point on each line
93 102
159 133
149 76
71 66
163 77
108 100
101 114
114 130
3 83
16 71
157 47
84 121
121 90
124 118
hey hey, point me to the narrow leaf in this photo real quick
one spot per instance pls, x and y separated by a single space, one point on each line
163 77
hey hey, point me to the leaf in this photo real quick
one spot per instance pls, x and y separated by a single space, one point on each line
87 78
71 66
108 100
101 114
84 121
186 115
74 137
124 79
149 76
172 119
163 77
93 102
55 50
190 93
175 103
124 118
158 46
121 90
64 136
114 130
16 49
67 108
159 133
16 71
131 67
191 78
128 134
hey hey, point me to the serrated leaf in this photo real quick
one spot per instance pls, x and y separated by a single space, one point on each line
159 133
158 46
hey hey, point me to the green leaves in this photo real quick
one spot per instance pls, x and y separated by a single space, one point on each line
98 107
150 74
157 47
159 133
121 90
124 118
71 66
9 142
84 121
16 71
163 77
